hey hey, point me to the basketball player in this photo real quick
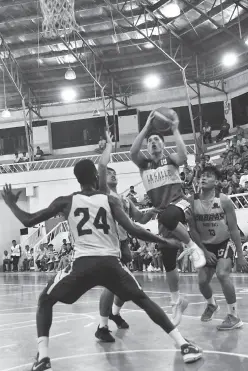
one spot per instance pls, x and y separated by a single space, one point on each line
213 226
161 179
91 216
111 305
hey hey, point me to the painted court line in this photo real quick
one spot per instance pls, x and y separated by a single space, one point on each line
58 335
118 352
8 346
90 324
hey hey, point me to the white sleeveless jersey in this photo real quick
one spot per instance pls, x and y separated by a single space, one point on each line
126 207
93 227
210 220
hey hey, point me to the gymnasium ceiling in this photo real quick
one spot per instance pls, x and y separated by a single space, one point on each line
207 29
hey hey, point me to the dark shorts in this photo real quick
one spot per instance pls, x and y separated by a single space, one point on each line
169 252
126 256
87 272
223 250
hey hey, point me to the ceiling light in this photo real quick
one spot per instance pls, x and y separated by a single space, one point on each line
230 59
70 74
6 113
148 46
152 81
68 94
171 10
246 40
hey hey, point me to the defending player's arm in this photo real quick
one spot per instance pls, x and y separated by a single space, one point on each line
136 155
210 257
181 156
140 217
231 220
103 163
27 219
133 229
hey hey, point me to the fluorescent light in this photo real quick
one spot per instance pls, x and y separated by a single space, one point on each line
246 40
68 94
230 59
70 74
148 46
6 113
171 10
152 81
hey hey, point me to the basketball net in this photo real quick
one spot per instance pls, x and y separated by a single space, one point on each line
58 17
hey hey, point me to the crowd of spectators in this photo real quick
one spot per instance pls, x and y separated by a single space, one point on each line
46 259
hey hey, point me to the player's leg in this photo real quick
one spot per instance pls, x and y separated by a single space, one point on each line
105 306
223 270
179 304
173 219
205 276
121 281
115 314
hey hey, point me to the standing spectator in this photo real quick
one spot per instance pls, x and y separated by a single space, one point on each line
207 133
16 158
39 154
240 131
241 142
226 187
6 262
41 259
224 131
15 254
24 157
244 178
132 195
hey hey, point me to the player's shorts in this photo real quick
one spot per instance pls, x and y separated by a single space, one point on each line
223 250
87 272
169 252
126 256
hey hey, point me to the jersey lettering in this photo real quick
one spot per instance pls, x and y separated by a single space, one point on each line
100 221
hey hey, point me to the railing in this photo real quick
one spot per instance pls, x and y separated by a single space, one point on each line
34 237
240 200
71 161
61 227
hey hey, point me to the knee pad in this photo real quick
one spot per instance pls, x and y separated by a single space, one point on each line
171 216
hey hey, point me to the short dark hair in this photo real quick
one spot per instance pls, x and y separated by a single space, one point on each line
155 132
110 169
13 240
213 170
85 172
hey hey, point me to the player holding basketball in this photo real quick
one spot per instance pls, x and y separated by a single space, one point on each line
111 305
91 216
213 226
161 179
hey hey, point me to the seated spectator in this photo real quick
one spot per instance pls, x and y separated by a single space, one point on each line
240 131
236 159
207 133
245 188
244 178
228 144
241 142
132 195
39 154
27 257
6 262
244 157
226 187
15 255
24 157
208 161
50 258
41 259
224 131
16 158
102 144
65 256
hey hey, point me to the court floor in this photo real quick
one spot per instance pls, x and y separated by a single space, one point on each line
144 346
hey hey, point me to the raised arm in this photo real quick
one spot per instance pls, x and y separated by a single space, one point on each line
135 151
59 205
132 228
140 217
181 155
103 163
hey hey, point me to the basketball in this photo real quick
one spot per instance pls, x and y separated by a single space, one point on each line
162 118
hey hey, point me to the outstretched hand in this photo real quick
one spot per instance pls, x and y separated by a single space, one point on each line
8 196
109 137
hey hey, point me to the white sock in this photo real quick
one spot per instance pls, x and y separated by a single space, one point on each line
43 347
190 244
103 321
175 297
211 301
232 309
115 310
177 337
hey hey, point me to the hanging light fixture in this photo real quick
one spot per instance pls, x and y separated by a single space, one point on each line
5 113
70 74
171 10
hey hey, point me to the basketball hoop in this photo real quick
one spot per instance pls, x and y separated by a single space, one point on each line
58 17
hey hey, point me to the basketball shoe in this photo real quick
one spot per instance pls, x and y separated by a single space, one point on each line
119 321
195 254
230 323
43 365
208 313
104 334
177 311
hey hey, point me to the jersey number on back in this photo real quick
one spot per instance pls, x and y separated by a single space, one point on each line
100 221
